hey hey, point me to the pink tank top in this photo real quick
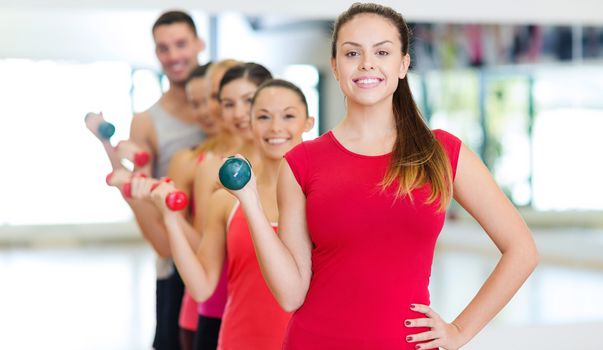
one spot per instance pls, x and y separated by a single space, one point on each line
189 316
214 306
253 320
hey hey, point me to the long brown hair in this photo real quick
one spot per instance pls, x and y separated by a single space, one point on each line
417 156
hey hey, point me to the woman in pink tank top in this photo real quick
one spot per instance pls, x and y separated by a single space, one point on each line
361 208
253 320
182 170
200 322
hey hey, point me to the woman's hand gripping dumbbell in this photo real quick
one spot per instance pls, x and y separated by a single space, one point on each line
95 122
132 152
138 186
103 130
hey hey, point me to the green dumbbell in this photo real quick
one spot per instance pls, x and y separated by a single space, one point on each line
235 173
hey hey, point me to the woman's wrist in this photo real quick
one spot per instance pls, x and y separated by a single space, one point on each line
462 331
170 218
248 197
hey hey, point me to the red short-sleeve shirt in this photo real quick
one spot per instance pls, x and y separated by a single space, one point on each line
372 254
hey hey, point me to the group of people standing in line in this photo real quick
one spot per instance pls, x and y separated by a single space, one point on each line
330 244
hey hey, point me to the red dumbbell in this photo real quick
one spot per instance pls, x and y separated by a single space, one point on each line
132 152
121 180
175 201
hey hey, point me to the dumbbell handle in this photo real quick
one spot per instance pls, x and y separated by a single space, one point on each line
175 200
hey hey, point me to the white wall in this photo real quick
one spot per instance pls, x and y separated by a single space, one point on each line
583 336
83 35
278 48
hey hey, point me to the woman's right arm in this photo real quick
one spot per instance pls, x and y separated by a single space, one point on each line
146 216
285 259
199 270
182 171
204 185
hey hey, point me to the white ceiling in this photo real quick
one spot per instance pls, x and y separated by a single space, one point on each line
588 12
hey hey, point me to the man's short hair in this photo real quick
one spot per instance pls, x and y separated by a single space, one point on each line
172 17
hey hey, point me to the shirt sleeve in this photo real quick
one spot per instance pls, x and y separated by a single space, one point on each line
452 147
297 158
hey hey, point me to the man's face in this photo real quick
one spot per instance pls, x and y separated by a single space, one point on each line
177 48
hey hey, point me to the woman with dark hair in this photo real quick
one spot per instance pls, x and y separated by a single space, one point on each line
253 320
199 322
234 93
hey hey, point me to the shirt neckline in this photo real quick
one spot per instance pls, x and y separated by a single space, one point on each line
345 150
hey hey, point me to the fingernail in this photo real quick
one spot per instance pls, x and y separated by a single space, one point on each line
418 347
412 306
108 178
407 323
408 338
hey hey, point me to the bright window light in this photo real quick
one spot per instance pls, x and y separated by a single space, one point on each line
306 77
54 168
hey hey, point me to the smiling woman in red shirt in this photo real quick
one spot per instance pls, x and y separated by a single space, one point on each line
361 208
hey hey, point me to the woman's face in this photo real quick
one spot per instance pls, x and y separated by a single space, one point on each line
279 120
196 94
369 59
235 101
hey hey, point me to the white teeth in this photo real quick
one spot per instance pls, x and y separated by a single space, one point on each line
368 81
178 66
276 141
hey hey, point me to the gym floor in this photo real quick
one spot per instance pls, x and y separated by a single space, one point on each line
100 295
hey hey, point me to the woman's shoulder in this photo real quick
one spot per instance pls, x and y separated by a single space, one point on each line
209 162
443 135
222 202
185 154
183 161
449 141
316 145
304 158
207 156
451 145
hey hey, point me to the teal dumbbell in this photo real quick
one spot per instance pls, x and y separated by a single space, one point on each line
235 173
105 129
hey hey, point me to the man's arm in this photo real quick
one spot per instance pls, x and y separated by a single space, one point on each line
148 217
